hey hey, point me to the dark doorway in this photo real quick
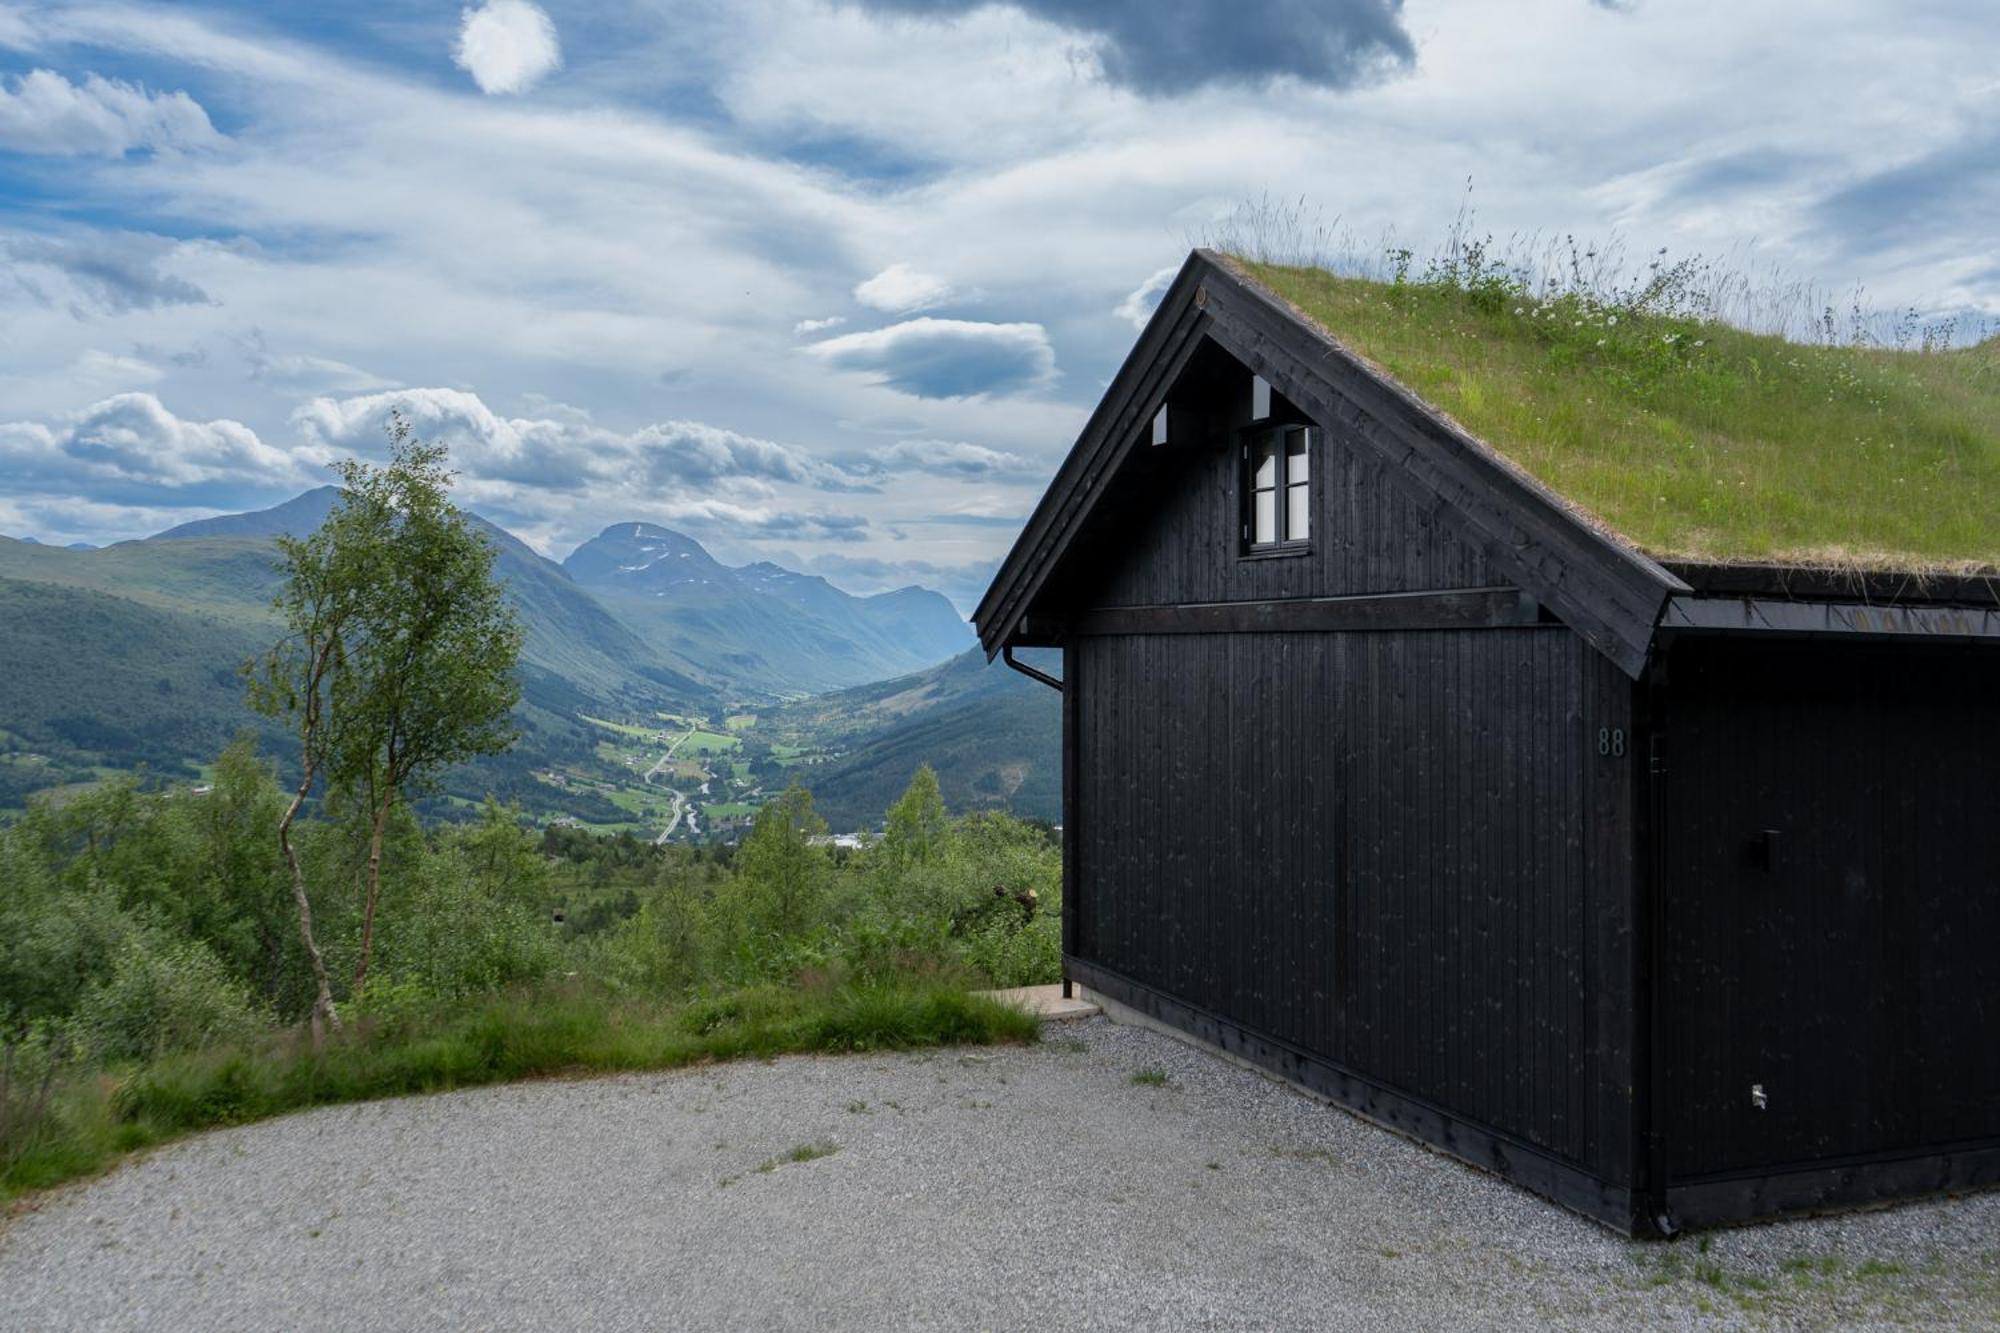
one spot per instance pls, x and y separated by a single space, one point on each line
1831 903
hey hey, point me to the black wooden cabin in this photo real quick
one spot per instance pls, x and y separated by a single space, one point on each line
1669 892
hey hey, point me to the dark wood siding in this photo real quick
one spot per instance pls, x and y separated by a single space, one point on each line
1374 848
1367 538
1848 963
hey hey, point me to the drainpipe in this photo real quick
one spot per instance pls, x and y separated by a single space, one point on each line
1007 656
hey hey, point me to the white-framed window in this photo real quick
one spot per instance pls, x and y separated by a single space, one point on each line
1277 489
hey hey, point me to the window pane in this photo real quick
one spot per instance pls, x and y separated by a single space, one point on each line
1264 458
1297 511
1264 526
1295 456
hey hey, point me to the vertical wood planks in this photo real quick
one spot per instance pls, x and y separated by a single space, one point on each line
1371 846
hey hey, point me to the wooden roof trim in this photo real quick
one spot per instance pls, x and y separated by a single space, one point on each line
1155 361
1763 615
1808 583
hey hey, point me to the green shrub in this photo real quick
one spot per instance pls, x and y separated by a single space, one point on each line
444 933
1008 953
163 994
662 949
28 1072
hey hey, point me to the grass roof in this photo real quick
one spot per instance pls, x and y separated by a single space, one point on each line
1689 438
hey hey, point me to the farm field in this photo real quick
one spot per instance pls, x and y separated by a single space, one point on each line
681 778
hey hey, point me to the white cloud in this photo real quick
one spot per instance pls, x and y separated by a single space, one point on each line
1138 305
130 444
306 373
945 458
901 290
109 272
946 358
58 520
102 370
567 452
806 326
508 46
43 112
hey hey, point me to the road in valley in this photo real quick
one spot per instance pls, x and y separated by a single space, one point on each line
679 803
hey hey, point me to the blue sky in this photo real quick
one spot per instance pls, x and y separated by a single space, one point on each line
835 283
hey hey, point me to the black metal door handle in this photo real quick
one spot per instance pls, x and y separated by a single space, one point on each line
1764 850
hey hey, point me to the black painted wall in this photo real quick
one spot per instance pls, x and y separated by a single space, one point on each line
1373 847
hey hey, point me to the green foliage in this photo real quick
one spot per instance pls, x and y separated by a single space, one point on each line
54 941
29 1069
80 879
979 896
85 883
426 676
162 993
771 922
666 948
450 935
397 659
1008 953
916 825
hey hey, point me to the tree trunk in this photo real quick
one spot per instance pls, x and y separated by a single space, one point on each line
374 890
323 1014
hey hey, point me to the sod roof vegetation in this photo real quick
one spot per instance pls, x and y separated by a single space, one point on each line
1691 439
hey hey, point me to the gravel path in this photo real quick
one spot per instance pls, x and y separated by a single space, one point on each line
1015 1188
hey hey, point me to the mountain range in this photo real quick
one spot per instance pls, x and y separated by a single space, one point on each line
760 626
128 655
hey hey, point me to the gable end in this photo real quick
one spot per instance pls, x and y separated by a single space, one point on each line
1608 593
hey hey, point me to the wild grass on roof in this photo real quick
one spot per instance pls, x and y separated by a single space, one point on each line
1690 437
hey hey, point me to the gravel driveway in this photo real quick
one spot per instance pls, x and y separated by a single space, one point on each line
1013 1188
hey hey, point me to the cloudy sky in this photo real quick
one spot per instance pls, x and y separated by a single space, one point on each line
834 282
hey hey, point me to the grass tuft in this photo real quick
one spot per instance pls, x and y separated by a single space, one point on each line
805 1152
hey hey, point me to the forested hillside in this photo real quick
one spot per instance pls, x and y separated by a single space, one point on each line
993 736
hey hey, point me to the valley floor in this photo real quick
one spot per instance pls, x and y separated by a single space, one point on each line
1010 1187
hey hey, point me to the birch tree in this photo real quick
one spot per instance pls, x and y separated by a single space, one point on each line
398 660
428 678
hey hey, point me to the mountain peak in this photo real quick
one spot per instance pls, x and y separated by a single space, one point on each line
643 532
642 553
296 517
